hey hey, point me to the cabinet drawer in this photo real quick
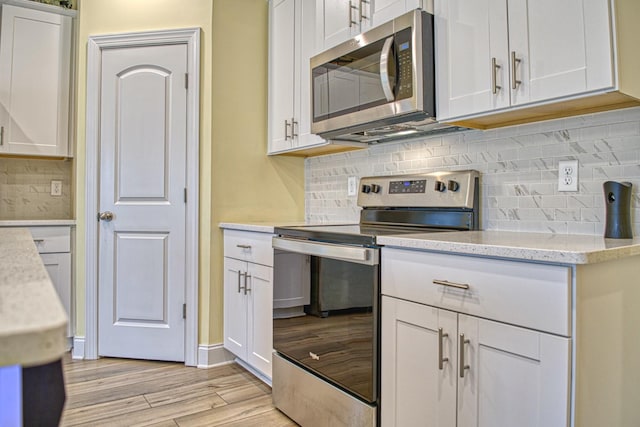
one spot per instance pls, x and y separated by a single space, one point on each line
249 246
532 295
52 239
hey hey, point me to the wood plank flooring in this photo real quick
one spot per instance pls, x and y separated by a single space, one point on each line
123 392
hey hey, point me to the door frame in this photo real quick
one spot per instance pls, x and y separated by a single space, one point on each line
96 44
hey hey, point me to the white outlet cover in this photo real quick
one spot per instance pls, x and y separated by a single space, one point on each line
352 186
56 188
568 175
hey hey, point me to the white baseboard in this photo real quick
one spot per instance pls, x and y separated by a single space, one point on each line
78 348
213 355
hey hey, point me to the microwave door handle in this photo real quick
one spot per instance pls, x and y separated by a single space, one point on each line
385 57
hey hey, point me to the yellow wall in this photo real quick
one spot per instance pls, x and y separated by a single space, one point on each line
238 182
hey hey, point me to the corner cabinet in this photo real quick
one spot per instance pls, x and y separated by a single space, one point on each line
497 57
474 342
248 298
35 79
290 47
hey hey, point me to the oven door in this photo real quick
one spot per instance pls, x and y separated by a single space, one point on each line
335 333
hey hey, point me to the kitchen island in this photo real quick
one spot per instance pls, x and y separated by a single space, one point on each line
506 328
33 326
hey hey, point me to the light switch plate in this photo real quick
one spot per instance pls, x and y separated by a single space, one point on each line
568 175
352 186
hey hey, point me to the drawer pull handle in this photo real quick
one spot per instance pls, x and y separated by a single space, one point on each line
451 284
244 246
441 360
462 367
38 241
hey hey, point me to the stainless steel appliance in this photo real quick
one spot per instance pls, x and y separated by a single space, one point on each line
326 365
379 85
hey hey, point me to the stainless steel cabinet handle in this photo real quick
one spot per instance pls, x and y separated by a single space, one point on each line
240 287
247 276
351 7
286 130
494 71
105 216
441 360
1 135
244 246
293 128
451 284
514 61
38 241
360 10
462 367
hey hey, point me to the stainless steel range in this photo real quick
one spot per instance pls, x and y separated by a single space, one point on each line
327 296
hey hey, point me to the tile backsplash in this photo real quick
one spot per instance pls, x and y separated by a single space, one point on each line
25 189
518 166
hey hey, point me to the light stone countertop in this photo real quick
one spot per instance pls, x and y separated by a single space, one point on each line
35 222
260 227
553 248
32 319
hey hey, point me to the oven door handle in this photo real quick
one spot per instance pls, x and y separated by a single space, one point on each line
359 255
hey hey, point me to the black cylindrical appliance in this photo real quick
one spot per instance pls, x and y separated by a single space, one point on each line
617 197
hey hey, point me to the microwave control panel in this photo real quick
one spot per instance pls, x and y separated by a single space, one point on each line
404 55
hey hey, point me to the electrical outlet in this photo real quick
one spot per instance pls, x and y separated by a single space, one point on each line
352 186
568 175
56 188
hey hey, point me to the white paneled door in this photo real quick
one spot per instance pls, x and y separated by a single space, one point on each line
142 202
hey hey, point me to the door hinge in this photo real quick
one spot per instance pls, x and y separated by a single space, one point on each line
185 195
186 81
184 311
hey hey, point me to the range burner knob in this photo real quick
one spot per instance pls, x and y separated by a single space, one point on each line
440 186
375 188
366 189
453 186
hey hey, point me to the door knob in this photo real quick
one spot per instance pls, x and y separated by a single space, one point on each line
105 216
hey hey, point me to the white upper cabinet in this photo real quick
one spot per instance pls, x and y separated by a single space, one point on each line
291 44
494 55
340 20
35 76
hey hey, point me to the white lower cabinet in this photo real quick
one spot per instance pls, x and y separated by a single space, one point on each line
248 299
54 246
456 369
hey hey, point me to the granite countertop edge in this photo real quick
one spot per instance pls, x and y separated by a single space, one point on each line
32 319
523 246
35 222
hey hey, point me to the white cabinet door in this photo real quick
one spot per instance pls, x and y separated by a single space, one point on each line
336 21
260 317
235 307
470 36
415 385
291 45
561 48
494 54
515 376
386 10
283 72
58 266
35 58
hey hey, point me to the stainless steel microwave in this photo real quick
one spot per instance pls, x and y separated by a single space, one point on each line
379 85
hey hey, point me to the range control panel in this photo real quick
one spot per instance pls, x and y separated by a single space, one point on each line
455 189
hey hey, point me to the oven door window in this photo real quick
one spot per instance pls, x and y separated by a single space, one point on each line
335 334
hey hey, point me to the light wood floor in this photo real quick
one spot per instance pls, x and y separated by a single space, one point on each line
122 392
